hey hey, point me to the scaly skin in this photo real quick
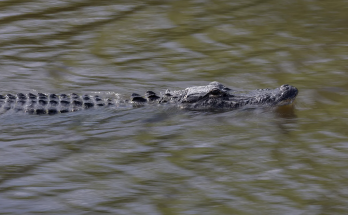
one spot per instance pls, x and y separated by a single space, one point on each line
211 96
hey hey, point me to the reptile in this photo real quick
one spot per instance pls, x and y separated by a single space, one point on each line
210 97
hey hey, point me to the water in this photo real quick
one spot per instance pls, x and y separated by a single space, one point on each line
161 160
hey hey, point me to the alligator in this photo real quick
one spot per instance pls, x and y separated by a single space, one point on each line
210 97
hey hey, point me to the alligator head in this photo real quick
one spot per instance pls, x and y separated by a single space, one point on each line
217 96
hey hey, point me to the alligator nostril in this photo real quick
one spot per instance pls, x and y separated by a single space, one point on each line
285 87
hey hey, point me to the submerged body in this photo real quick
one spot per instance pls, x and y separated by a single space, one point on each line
212 96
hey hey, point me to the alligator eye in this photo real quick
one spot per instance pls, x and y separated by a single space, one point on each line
215 91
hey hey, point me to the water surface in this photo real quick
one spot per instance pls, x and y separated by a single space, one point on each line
162 160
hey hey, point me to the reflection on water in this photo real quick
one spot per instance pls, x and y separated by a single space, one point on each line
161 160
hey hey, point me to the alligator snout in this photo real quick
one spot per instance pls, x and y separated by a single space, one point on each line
289 90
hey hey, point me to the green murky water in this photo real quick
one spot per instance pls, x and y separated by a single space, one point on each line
160 160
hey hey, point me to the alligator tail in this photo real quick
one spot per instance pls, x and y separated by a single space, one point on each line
51 103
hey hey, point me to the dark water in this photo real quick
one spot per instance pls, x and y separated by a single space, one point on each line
161 160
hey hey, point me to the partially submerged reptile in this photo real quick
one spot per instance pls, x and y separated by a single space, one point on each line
210 97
